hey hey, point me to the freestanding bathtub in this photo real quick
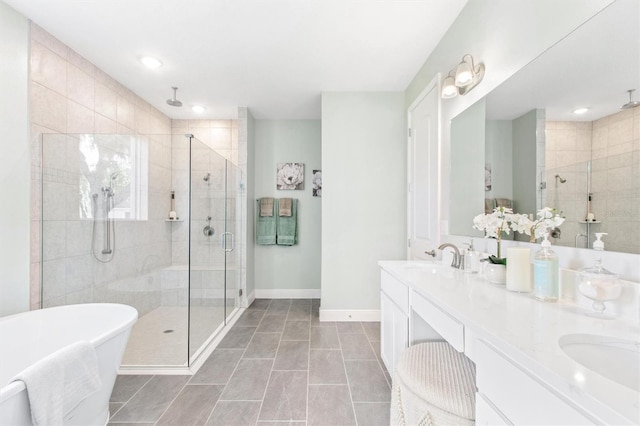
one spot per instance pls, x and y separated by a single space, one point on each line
30 336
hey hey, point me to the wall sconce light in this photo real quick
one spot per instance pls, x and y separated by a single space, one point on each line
464 78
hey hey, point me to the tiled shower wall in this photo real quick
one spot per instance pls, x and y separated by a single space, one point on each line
69 95
214 142
612 144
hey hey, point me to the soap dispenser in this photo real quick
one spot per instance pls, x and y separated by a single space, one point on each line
546 273
471 259
598 244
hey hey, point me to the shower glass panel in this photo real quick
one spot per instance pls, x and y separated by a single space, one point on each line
232 231
107 237
206 256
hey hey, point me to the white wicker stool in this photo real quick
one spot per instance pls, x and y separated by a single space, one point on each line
433 385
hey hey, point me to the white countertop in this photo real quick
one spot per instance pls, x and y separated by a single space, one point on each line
527 331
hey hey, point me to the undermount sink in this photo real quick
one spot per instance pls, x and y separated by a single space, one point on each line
614 358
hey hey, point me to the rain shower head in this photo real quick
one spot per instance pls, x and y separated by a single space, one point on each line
631 103
559 178
173 101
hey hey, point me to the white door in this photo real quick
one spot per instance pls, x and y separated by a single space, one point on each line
423 171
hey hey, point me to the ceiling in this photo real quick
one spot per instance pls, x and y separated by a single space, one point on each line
275 57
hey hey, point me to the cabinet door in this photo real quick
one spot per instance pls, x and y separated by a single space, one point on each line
400 335
394 332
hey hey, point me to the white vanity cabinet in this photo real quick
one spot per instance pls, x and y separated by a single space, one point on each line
394 321
510 394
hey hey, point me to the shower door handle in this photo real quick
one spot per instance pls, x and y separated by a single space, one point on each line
224 241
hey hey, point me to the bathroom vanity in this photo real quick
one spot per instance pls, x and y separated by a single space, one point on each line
525 351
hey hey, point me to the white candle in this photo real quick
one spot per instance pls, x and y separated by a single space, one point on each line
519 269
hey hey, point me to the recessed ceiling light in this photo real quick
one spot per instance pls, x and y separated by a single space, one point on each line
198 109
151 62
580 110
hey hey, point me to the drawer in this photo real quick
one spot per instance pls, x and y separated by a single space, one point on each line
397 291
518 395
444 324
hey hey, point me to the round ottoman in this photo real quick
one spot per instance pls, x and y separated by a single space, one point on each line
433 385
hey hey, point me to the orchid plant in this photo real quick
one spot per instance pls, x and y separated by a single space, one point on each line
548 219
503 220
494 224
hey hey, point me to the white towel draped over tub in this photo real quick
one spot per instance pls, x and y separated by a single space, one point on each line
59 382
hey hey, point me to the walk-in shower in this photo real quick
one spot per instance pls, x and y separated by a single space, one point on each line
108 236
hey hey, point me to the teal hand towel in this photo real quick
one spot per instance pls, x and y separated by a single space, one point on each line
288 226
266 225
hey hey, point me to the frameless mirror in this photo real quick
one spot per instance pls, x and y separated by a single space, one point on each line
524 146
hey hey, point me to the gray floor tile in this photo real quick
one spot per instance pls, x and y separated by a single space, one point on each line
292 355
301 302
218 367
324 338
372 330
315 303
126 386
261 304
235 413
263 345
250 318
281 423
349 328
326 367
237 338
114 407
249 380
130 424
192 406
299 313
296 330
279 307
286 396
272 323
315 321
330 405
150 402
372 413
367 381
356 346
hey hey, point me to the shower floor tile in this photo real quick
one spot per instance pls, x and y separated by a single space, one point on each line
292 376
160 337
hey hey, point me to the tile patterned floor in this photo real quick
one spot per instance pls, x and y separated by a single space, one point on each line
278 365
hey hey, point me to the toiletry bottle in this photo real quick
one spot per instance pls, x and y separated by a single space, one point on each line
471 259
546 273
598 244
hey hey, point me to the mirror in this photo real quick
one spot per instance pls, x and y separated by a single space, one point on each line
523 146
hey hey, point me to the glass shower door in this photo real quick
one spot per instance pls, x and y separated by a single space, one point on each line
213 281
232 231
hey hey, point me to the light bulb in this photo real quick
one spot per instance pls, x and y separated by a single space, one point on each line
464 74
449 89
150 62
198 109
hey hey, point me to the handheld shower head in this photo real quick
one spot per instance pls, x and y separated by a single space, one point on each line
173 101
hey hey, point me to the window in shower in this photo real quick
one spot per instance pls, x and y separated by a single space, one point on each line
120 164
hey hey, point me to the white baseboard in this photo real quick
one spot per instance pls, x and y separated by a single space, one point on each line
246 301
286 293
364 315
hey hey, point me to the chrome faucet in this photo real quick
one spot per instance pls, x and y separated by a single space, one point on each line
457 260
